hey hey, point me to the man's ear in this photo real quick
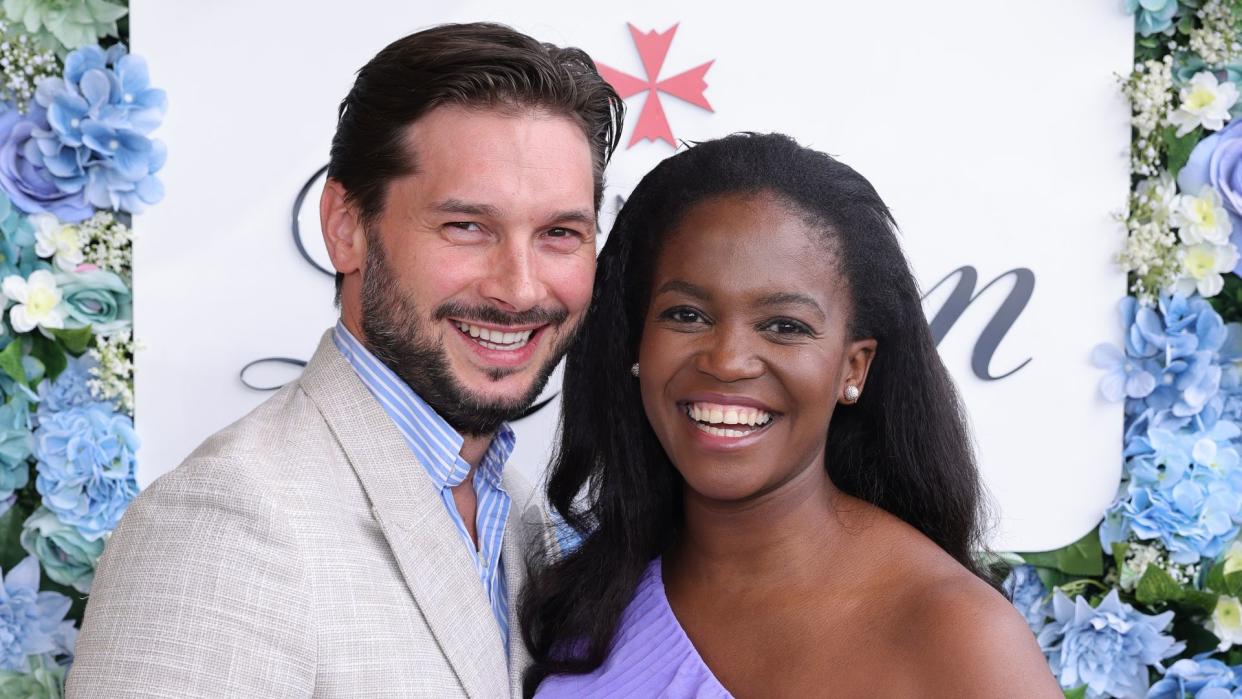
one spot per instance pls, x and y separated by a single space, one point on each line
343 233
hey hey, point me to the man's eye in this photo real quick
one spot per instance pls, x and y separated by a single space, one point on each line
561 233
464 225
563 239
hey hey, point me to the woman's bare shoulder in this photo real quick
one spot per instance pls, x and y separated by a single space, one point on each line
964 639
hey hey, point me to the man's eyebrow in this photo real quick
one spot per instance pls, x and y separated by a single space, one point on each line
581 216
457 206
785 298
684 287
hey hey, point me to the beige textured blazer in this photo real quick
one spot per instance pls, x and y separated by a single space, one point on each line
300 552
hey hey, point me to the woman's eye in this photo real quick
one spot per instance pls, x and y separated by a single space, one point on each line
785 326
682 314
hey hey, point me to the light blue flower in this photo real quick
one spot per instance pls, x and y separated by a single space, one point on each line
1154 16
16 444
1028 594
1201 678
70 389
31 622
1109 648
67 557
1126 378
99 115
98 298
86 466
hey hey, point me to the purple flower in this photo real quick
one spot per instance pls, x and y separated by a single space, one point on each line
29 184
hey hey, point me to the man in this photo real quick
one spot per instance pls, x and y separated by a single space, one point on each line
357 534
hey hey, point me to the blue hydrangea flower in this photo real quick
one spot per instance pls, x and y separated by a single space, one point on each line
1154 16
1126 378
1028 594
1201 678
99 116
31 622
86 466
1108 648
70 389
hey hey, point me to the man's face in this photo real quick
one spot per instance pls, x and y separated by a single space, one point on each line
479 270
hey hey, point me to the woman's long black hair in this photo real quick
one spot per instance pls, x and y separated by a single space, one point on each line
903 446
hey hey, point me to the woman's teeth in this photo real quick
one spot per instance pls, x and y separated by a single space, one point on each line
710 417
495 339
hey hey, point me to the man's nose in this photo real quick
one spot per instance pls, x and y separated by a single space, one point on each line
513 281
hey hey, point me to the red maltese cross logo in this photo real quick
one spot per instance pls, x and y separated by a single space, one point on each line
688 86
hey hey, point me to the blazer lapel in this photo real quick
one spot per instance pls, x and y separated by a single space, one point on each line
412 517
523 534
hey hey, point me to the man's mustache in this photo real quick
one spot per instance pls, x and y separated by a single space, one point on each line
490 314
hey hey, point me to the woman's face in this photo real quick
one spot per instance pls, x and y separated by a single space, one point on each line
745 348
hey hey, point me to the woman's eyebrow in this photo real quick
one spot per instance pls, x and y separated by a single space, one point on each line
785 298
684 287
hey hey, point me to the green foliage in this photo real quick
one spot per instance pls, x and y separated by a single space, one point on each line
1179 147
1083 557
75 340
11 361
1228 303
1157 587
50 353
1076 693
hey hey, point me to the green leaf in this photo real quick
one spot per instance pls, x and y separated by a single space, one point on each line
1120 549
11 551
1215 580
1186 25
1051 578
1156 586
1076 693
50 353
1200 600
1083 557
11 361
1179 147
75 340
1233 583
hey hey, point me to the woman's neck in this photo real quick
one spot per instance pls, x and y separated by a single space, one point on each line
790 533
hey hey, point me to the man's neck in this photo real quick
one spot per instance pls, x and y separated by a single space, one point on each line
474 447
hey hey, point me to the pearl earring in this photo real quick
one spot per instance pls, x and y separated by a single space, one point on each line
852 393
634 370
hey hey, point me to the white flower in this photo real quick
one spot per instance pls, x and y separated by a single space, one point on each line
1205 102
1226 623
1201 268
1233 558
38 301
57 240
1202 218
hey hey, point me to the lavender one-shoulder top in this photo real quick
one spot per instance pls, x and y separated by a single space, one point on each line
651 655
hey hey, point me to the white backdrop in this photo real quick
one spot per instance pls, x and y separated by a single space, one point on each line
995 131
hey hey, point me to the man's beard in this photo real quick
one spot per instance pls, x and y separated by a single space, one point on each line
390 324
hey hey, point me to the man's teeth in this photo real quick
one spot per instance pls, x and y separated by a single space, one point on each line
495 339
714 414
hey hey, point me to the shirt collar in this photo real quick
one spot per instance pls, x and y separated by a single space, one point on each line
432 439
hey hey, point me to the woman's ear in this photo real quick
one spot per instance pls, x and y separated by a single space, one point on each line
858 359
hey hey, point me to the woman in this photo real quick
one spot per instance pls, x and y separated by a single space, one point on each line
780 496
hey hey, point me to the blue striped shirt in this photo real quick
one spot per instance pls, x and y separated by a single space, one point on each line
437 446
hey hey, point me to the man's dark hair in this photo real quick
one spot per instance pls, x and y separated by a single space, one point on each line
472 65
